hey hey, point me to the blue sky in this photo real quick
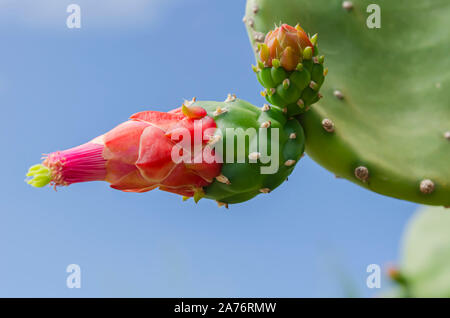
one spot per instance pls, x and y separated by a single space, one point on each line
314 236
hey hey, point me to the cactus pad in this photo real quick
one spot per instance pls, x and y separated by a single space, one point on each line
384 121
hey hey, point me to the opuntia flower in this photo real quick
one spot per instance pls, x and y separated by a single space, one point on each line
136 156
285 44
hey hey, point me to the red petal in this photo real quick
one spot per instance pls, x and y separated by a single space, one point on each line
188 125
155 160
159 119
133 182
176 111
208 171
117 169
122 142
181 176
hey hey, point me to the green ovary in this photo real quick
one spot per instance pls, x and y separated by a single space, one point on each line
248 179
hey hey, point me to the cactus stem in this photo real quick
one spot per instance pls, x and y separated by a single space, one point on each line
266 124
222 179
328 125
286 83
289 163
230 98
301 103
265 108
338 94
362 173
254 156
426 186
264 190
292 136
347 5
447 135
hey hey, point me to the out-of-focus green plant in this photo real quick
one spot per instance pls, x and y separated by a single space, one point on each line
424 269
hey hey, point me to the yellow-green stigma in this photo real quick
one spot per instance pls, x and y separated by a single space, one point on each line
38 176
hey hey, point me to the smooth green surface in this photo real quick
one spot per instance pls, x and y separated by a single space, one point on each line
246 179
425 259
396 86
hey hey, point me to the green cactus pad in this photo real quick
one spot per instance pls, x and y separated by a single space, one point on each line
242 181
384 121
425 259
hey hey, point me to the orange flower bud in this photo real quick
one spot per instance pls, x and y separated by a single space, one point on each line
286 44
